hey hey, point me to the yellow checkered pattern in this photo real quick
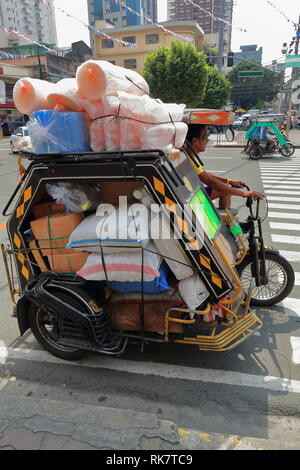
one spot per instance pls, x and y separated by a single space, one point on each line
171 205
21 257
26 197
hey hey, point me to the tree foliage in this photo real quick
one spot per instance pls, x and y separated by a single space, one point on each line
247 92
218 90
177 74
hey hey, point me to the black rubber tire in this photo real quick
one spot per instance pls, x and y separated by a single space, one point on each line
255 152
290 279
68 354
287 150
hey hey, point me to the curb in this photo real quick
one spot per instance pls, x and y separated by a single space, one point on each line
195 440
44 424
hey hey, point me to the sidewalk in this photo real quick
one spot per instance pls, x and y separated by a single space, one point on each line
295 137
43 424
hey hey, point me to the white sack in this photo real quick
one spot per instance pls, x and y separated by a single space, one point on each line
96 78
95 109
193 292
30 94
122 267
112 230
65 96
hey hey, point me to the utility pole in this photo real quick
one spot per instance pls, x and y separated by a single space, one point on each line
221 38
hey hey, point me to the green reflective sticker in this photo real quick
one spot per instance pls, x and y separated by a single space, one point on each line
205 214
237 230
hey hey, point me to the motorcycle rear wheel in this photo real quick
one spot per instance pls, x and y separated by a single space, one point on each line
255 152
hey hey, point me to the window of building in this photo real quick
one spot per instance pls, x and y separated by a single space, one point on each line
107 43
131 39
130 63
152 38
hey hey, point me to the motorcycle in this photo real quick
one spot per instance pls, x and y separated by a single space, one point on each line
273 274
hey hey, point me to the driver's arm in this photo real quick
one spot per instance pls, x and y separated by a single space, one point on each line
216 184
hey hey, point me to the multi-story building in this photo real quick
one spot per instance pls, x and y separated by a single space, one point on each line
249 52
118 16
183 10
32 18
147 38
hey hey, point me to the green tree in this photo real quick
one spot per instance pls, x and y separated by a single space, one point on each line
247 92
177 74
218 90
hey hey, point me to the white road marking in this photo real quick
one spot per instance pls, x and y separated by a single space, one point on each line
293 256
275 191
285 239
292 207
169 371
283 215
283 199
281 180
283 226
291 307
295 343
281 186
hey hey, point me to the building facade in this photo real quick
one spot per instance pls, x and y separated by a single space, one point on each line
114 15
249 52
34 19
111 11
147 38
181 10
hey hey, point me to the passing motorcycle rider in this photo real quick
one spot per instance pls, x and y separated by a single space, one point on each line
217 187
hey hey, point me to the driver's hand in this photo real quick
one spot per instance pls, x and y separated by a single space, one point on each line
236 184
254 194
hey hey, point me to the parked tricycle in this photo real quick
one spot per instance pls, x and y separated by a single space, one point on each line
207 266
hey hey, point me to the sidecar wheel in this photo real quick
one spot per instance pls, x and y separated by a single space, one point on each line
45 329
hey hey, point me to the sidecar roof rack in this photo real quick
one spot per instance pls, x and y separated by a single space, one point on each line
76 157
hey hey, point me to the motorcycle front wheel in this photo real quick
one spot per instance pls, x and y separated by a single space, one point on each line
281 280
287 150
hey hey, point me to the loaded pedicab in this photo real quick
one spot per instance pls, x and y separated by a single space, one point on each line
264 138
122 244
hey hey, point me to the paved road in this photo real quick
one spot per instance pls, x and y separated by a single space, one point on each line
253 390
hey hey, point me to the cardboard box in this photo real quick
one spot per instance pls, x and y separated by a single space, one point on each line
67 263
53 232
48 208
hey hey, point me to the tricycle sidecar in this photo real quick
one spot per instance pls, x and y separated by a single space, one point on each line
70 315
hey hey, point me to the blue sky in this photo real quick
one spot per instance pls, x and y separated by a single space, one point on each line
267 27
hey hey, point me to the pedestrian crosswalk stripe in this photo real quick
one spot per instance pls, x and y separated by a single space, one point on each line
290 207
281 186
276 191
274 183
283 198
280 179
284 226
285 239
283 215
291 307
166 371
295 344
292 256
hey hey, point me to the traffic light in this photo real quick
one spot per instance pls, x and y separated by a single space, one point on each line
230 61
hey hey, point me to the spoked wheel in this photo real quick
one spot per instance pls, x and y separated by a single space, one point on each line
256 152
281 280
45 327
287 150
